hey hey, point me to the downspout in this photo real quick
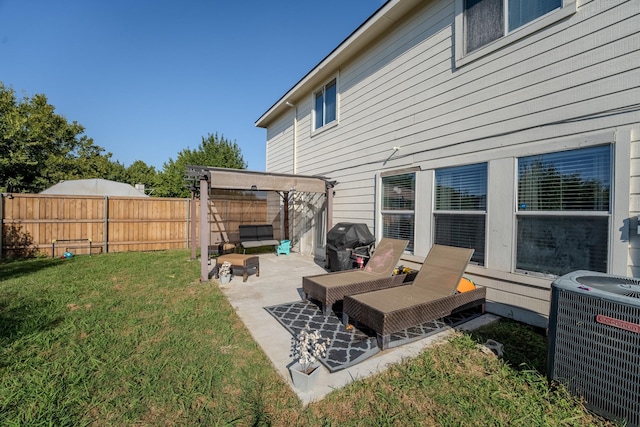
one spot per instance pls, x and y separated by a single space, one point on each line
295 135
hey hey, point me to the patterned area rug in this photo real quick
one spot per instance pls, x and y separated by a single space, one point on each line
350 347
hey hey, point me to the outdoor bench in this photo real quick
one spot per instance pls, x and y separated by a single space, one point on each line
256 235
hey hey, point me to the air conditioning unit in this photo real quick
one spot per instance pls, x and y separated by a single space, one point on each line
594 342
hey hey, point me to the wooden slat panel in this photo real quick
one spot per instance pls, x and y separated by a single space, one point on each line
33 221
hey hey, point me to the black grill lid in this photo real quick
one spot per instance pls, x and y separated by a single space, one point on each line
347 235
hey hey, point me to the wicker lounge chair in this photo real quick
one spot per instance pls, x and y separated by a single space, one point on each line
432 295
377 274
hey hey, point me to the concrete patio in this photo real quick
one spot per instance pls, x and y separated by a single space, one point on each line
280 281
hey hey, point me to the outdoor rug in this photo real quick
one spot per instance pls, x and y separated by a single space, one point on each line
349 347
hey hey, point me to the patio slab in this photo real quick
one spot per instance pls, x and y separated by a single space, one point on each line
280 282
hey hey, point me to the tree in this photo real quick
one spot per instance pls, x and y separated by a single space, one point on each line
38 147
117 172
213 151
140 173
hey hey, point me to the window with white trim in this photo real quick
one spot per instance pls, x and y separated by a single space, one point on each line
398 207
461 208
563 211
325 105
488 20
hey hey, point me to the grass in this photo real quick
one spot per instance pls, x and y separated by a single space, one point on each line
136 339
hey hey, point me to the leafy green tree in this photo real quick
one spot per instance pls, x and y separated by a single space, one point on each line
141 173
214 151
39 148
117 172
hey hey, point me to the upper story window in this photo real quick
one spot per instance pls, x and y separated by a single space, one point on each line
489 20
325 106
486 26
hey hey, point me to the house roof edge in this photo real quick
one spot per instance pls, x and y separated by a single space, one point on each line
383 18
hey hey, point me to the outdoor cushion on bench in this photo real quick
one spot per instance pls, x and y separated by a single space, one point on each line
253 236
432 295
239 261
377 274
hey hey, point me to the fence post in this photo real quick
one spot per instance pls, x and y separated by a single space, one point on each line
106 224
1 222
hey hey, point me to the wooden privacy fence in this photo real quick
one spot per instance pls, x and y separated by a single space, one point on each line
53 224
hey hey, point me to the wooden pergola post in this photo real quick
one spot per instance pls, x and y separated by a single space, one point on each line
329 196
192 208
285 199
204 227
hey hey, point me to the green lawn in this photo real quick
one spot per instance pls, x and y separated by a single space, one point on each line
136 339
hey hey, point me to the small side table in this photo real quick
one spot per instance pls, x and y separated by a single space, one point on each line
245 262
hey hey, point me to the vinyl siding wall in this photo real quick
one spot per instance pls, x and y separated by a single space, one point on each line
570 85
634 218
280 149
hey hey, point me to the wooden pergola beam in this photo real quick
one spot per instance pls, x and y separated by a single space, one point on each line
239 179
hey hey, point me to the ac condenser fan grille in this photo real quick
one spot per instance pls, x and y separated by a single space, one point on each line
617 285
594 342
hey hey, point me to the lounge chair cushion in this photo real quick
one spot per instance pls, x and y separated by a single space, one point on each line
386 256
442 269
394 299
430 296
377 274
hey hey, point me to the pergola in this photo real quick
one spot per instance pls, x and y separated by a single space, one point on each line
239 179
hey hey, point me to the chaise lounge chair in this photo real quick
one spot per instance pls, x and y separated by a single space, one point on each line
377 274
432 295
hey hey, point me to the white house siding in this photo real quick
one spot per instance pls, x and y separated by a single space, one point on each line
570 85
280 149
634 196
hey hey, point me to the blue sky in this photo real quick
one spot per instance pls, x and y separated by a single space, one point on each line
148 78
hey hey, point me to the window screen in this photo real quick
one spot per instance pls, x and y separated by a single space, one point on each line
484 22
460 208
563 211
398 202
557 245
463 231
